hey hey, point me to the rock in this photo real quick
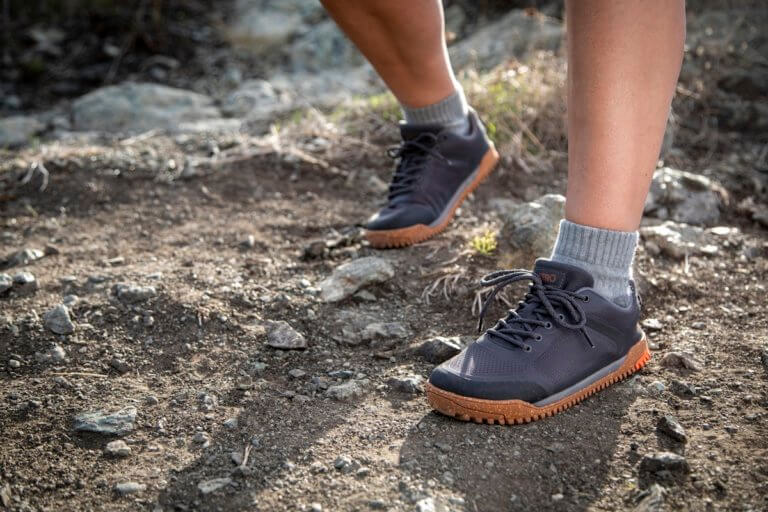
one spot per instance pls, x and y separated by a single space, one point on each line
764 358
384 335
652 324
57 320
531 229
201 438
261 26
5 283
117 448
259 101
439 349
297 373
125 488
132 294
281 335
118 423
678 240
412 384
231 423
23 257
324 47
213 485
670 426
55 355
685 197
138 107
513 36
345 392
699 326
17 131
350 277
682 389
425 505
682 360
119 365
345 464
664 461
652 499
24 283
656 387
13 363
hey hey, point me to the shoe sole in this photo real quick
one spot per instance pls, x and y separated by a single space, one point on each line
402 237
518 411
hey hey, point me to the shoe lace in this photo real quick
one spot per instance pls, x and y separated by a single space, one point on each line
413 155
516 329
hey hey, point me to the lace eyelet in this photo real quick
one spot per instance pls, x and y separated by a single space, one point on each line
527 348
537 337
561 317
548 325
586 298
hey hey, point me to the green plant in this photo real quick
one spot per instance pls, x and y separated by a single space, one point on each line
484 244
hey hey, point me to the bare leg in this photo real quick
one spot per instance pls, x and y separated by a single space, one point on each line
624 58
405 41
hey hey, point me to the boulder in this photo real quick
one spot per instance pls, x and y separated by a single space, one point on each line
354 275
685 197
137 107
531 229
17 131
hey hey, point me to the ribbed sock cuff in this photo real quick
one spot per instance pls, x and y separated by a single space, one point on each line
606 254
450 112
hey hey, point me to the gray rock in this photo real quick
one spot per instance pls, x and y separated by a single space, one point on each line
515 35
664 461
384 335
17 131
281 335
55 355
6 282
117 423
671 427
350 277
24 282
531 228
117 448
426 505
297 373
324 47
213 485
132 293
682 389
678 240
57 320
439 349
137 107
126 488
258 101
656 388
345 392
652 324
685 197
682 360
652 500
23 257
412 384
262 26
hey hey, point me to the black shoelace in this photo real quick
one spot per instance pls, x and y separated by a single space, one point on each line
413 155
516 329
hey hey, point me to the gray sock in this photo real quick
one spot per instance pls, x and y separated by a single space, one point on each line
605 254
450 112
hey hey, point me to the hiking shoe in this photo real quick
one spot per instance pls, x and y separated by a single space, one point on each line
436 170
563 343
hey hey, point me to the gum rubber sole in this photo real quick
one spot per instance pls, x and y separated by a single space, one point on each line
518 411
402 237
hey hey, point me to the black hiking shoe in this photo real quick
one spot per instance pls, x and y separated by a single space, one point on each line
436 171
563 343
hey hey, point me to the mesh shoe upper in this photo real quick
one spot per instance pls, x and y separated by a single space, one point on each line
561 333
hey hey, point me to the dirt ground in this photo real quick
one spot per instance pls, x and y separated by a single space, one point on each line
188 358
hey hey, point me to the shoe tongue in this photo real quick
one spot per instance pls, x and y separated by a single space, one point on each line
562 275
411 131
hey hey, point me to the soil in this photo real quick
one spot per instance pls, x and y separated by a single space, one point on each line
214 296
